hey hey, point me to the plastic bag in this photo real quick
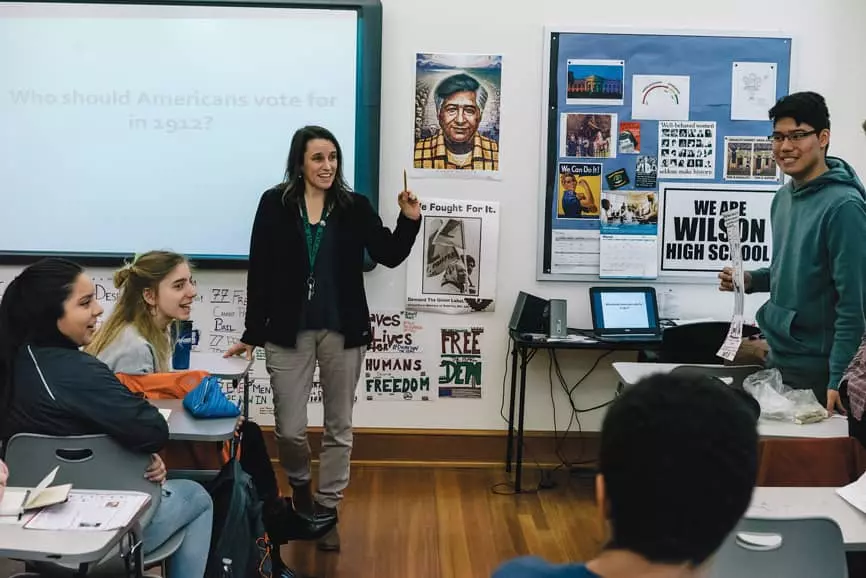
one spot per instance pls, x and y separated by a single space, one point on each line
782 403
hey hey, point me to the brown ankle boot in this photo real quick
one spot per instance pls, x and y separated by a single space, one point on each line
330 542
302 499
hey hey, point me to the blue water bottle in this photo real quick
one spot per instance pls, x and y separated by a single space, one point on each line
183 342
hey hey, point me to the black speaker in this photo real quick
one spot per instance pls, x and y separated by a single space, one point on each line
530 314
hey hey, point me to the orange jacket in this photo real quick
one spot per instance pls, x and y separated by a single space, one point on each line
174 385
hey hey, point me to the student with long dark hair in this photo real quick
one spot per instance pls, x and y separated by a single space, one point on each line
306 303
49 386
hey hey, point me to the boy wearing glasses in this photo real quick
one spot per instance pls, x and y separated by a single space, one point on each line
814 318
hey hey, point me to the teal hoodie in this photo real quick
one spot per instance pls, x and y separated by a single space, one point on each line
816 314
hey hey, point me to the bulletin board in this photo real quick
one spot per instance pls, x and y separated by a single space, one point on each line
629 116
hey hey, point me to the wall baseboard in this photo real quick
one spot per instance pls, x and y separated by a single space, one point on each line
455 448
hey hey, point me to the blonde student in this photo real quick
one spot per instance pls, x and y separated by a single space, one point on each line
155 289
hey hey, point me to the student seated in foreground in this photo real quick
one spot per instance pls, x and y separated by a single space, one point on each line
48 386
678 462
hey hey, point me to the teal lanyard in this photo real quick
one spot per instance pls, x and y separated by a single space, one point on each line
313 244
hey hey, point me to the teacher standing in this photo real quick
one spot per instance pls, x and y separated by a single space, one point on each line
306 303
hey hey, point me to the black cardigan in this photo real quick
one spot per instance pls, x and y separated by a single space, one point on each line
276 280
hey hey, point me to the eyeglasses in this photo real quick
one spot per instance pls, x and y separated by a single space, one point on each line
794 137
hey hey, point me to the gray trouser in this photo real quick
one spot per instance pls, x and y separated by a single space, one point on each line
291 371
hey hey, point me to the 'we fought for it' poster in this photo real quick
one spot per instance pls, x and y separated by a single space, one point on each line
453 265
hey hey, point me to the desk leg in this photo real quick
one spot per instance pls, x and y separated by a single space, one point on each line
233 443
509 451
246 396
521 411
136 551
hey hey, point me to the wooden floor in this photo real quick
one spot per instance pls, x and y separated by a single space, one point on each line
439 523
448 523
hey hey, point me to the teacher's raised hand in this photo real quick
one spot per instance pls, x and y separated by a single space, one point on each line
409 205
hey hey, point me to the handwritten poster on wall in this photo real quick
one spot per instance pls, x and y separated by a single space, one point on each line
461 363
394 368
397 378
694 237
220 319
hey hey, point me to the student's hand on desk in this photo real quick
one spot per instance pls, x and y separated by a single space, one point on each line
726 280
239 348
834 402
156 471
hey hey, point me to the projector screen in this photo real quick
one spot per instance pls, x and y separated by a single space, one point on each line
125 128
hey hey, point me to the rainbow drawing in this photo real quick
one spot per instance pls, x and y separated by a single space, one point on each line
666 87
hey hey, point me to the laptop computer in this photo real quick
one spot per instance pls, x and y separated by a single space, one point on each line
625 314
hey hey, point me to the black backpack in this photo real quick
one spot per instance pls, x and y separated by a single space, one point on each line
238 531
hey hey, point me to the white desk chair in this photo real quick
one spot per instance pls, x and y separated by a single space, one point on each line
92 462
793 548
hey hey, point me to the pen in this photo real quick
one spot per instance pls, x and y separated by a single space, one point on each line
405 184
23 503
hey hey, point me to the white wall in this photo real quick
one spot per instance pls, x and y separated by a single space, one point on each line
819 63
514 29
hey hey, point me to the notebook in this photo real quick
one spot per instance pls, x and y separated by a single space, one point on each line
18 500
625 314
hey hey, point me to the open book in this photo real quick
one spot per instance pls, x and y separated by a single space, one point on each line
20 500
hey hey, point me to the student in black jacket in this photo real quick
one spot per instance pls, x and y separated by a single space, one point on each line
48 386
306 303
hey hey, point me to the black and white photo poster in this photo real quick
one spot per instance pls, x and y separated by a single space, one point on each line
687 150
646 172
694 235
453 265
